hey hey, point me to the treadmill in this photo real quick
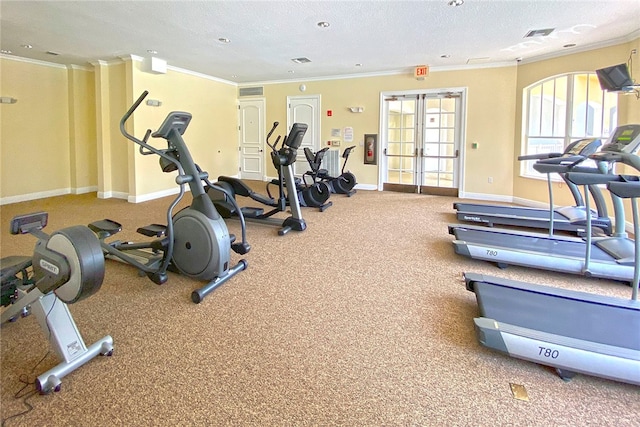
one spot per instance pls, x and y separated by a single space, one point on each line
574 332
611 257
567 218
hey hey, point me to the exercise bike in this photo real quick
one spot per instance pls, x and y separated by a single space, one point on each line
343 184
66 267
283 159
195 241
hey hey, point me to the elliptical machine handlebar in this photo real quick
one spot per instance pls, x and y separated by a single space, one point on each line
143 143
275 125
128 114
275 144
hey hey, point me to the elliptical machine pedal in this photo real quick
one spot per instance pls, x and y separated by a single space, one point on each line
152 230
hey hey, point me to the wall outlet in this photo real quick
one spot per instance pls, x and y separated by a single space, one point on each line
490 180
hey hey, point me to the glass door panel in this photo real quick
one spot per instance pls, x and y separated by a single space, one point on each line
401 143
439 152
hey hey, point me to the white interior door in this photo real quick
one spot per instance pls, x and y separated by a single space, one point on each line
252 138
305 109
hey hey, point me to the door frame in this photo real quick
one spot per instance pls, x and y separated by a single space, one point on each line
463 127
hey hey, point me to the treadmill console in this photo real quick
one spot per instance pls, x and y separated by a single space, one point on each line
625 139
583 147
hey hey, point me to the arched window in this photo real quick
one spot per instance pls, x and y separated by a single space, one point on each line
563 109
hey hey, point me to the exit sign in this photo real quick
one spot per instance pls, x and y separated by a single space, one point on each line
421 72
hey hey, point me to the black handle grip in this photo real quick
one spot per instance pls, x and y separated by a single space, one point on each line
275 125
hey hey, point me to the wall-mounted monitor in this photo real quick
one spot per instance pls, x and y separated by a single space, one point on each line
614 78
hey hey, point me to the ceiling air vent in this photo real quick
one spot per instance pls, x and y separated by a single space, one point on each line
539 33
251 91
481 60
302 60
49 52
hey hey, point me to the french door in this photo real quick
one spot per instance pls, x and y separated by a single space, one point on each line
421 142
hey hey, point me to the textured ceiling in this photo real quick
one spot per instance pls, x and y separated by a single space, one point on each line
383 36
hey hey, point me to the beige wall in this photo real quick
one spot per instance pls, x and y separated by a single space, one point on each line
82 130
64 135
119 145
67 122
211 136
34 142
489 116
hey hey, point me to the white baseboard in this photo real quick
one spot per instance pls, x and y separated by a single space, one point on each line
112 195
34 196
154 195
486 197
366 187
84 190
46 194
531 203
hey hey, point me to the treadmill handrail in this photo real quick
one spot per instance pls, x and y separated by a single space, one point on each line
585 178
540 156
626 189
560 167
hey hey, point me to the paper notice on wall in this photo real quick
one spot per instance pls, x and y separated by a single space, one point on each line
335 133
348 134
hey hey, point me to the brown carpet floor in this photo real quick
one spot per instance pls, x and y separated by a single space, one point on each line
361 320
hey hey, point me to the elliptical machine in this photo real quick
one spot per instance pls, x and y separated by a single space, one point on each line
313 195
283 160
343 184
195 241
66 267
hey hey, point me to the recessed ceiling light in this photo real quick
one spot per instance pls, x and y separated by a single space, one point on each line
26 46
456 3
224 40
5 51
151 51
358 65
290 71
570 45
445 56
323 24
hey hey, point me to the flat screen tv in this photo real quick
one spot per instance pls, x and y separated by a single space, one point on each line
614 78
